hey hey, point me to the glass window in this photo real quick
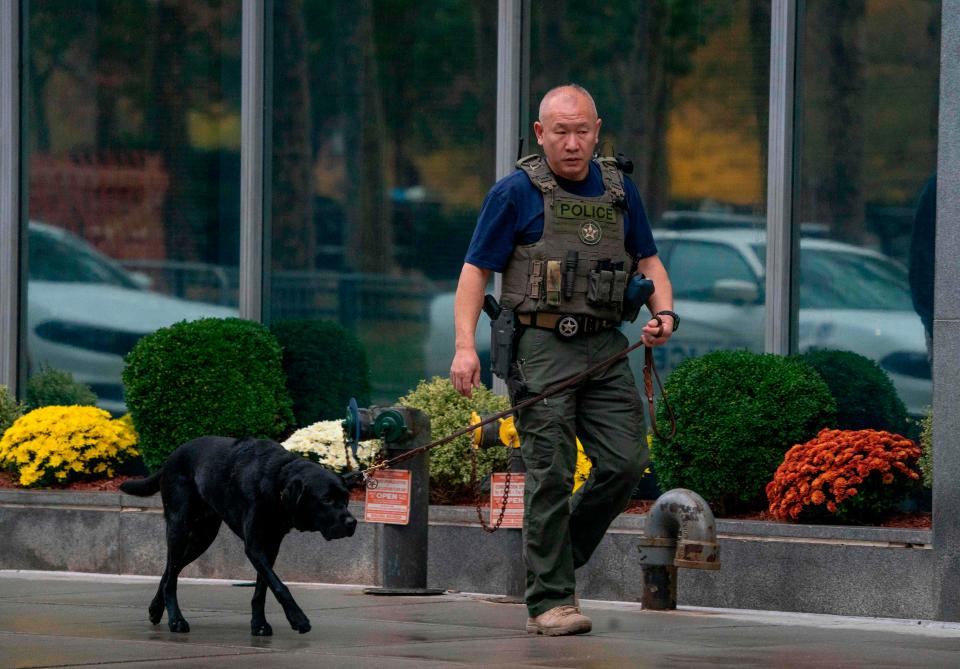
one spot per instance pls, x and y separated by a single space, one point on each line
682 89
382 149
695 268
132 130
868 109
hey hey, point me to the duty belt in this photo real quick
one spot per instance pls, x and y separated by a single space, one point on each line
567 326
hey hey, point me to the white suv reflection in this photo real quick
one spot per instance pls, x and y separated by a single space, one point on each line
850 298
85 312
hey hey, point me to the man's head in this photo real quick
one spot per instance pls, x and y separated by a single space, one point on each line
568 130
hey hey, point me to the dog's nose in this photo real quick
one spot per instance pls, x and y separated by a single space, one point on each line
351 525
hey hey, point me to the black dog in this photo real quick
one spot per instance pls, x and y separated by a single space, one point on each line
261 491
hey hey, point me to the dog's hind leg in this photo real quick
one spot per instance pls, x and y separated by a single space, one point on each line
258 622
190 531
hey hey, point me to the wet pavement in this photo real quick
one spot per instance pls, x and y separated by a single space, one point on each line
51 619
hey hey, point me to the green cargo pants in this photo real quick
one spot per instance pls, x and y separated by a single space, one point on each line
605 412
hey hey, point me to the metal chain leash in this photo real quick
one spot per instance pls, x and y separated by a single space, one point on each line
474 485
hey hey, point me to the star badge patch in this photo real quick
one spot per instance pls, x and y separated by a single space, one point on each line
590 233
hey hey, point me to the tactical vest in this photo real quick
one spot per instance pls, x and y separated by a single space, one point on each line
579 265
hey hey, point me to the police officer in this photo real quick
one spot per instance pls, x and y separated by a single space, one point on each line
566 231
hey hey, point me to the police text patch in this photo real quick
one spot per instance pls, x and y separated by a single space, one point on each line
578 209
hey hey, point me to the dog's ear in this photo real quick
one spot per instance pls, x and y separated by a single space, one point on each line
290 495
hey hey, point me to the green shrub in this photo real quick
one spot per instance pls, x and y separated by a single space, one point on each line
211 376
737 414
865 395
449 411
325 366
926 448
10 409
54 387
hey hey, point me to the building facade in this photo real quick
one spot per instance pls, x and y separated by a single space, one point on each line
172 160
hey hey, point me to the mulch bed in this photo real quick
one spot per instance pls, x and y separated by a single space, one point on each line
7 480
916 520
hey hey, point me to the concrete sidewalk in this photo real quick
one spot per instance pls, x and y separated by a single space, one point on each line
55 619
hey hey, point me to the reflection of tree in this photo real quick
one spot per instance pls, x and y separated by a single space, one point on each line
370 238
399 88
292 230
629 55
834 81
51 35
166 129
108 80
759 25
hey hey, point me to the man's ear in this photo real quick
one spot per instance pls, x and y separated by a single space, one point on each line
538 131
290 496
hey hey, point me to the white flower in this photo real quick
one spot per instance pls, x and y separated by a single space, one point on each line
323 442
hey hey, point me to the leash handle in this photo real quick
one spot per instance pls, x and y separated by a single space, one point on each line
649 374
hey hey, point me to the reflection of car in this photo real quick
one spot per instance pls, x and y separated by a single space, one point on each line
850 298
84 312
438 349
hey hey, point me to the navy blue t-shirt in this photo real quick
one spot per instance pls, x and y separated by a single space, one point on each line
512 214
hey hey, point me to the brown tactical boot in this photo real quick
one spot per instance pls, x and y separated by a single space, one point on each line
559 621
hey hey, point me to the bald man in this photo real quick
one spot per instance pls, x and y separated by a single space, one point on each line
565 269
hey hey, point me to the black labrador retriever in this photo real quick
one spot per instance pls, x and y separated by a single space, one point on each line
261 491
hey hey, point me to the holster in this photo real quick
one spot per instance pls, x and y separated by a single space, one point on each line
502 331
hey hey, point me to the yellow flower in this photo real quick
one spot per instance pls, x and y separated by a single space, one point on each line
56 444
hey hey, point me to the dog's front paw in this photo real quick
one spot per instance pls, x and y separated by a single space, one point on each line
299 621
180 626
155 612
261 628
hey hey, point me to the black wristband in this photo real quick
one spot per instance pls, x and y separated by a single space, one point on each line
673 315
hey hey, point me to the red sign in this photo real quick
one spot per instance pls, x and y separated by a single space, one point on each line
388 497
513 515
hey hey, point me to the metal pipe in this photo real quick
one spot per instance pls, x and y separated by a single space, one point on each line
680 532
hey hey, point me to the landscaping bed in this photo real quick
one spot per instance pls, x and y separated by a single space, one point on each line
915 520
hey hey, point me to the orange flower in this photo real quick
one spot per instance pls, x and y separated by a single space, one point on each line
837 462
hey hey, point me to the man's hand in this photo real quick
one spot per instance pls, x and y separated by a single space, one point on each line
662 299
465 371
465 368
655 334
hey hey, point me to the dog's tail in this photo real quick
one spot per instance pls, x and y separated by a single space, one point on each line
143 487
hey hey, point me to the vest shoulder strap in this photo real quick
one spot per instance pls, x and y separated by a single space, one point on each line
612 179
541 176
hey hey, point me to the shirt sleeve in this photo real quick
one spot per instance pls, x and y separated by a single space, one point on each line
639 237
493 238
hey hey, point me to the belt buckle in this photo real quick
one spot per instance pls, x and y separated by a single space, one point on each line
567 327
